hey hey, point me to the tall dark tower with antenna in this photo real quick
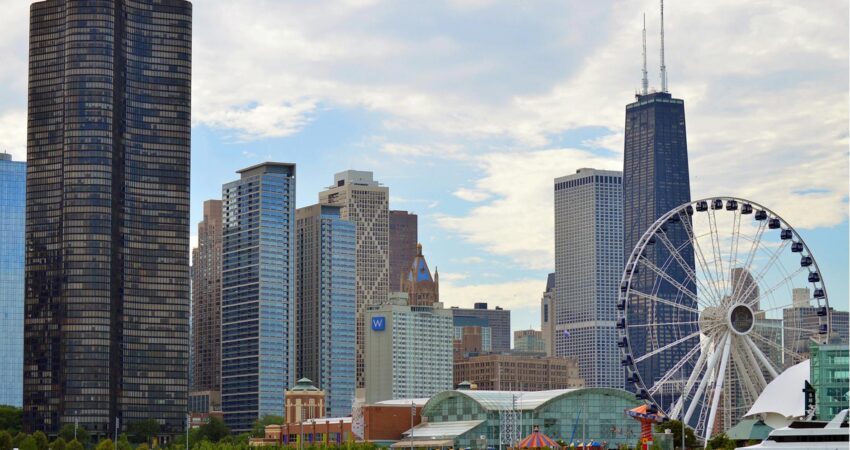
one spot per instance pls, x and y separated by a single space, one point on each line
655 180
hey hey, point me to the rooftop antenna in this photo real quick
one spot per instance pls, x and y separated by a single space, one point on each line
644 84
663 67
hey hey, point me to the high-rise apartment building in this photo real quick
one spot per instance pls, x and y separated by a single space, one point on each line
800 320
656 180
206 302
408 350
588 267
364 202
497 319
258 293
325 302
422 289
529 341
547 314
12 222
404 237
106 328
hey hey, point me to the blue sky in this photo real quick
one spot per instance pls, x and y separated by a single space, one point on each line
467 109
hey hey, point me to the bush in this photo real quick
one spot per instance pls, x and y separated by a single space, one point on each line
58 444
105 444
143 446
74 445
5 440
124 443
41 441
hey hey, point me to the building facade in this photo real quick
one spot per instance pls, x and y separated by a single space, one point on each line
799 322
497 319
325 295
304 402
829 374
547 315
364 202
408 351
421 288
499 372
206 302
656 180
258 293
588 267
529 341
106 328
12 223
404 237
472 340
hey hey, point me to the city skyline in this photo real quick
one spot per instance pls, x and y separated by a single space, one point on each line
535 137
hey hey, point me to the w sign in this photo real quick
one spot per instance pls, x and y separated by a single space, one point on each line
378 323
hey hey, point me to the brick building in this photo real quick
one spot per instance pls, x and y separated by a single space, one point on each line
497 372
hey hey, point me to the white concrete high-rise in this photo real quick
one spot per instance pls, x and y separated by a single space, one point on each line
365 202
588 266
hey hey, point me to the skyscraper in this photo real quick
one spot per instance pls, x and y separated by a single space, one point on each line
257 293
588 267
206 302
324 288
12 209
107 260
547 314
497 319
656 180
403 240
365 203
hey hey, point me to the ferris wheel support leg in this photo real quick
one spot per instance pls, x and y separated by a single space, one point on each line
718 388
761 357
752 358
677 408
712 361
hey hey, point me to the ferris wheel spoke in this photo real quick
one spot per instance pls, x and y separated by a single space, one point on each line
763 359
718 386
703 263
756 243
754 363
733 248
745 371
777 346
676 367
666 277
664 301
764 270
713 360
716 252
783 282
658 350
689 272
698 367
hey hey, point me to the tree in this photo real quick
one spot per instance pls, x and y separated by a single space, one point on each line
143 446
676 427
28 443
105 444
721 441
58 444
214 431
124 443
74 445
67 433
41 441
260 425
18 440
143 430
5 440
10 418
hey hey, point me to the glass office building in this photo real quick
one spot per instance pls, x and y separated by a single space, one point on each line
830 376
12 208
106 326
325 292
656 180
258 296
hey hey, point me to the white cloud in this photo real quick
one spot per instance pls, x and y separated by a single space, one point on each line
471 195
13 133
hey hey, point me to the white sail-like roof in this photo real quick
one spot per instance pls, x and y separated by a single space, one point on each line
784 395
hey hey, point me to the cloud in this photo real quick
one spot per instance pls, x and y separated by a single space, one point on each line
13 133
521 187
471 195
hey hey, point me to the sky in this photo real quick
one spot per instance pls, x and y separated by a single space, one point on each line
468 109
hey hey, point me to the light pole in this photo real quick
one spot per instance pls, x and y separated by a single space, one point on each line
412 414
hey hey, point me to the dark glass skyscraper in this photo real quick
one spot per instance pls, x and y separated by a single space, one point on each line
656 180
107 234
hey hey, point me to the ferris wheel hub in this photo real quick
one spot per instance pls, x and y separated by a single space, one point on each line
740 319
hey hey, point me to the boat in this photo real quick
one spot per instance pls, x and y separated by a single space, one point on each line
808 435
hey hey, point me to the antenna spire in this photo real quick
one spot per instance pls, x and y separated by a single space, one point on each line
644 85
663 67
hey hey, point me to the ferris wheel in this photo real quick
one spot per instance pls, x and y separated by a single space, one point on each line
718 297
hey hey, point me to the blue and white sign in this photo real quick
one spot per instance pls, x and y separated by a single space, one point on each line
379 323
